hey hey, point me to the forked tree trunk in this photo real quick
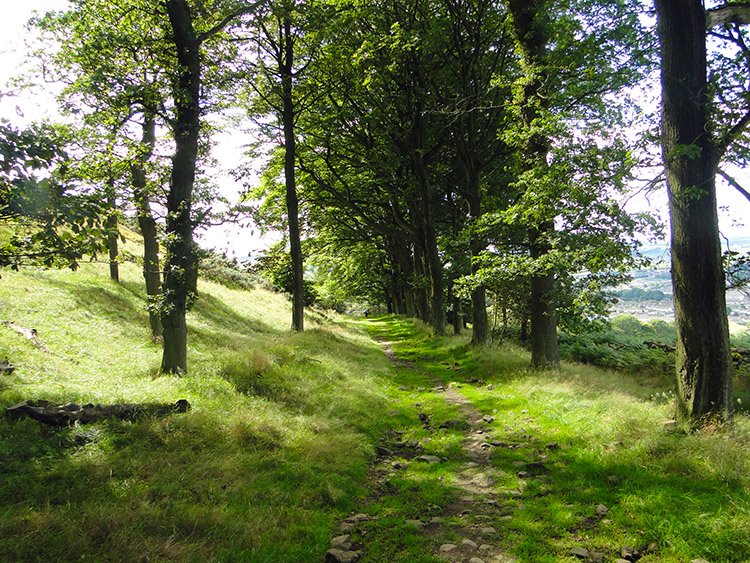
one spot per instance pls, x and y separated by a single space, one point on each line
704 367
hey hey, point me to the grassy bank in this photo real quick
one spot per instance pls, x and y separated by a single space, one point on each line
290 433
277 442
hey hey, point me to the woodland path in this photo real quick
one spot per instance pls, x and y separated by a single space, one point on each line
484 472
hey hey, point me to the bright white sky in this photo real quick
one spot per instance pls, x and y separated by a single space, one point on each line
734 212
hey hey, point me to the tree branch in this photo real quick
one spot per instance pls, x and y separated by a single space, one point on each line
729 13
734 184
228 19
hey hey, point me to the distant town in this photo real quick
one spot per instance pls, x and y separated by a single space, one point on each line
649 295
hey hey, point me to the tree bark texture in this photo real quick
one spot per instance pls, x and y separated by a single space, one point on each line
181 268
286 61
147 223
704 367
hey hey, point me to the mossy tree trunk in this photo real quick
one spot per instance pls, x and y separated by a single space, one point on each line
704 367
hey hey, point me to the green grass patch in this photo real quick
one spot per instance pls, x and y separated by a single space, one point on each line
274 451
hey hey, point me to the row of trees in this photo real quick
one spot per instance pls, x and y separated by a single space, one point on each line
427 151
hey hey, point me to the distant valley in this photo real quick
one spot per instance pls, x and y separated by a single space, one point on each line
656 280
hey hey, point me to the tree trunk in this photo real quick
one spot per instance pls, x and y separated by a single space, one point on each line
544 347
181 268
704 367
480 323
147 224
292 204
113 234
532 35
431 255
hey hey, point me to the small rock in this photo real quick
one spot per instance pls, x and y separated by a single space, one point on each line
553 446
438 389
490 387
455 424
447 547
489 531
523 474
505 518
343 543
699 560
436 520
357 518
596 557
403 388
346 527
341 556
485 445
652 547
525 411
429 458
601 510
421 389
415 523
476 560
469 543
486 547
580 552
482 480
398 465
630 553
488 419
490 502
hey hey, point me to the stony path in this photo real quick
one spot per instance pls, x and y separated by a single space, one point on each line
479 503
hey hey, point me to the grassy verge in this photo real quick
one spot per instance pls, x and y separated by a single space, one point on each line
599 440
272 454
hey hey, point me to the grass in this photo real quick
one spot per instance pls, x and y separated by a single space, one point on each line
274 450
674 497
281 442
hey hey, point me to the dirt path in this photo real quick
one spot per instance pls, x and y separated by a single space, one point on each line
467 528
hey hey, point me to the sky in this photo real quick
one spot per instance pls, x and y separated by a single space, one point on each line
734 209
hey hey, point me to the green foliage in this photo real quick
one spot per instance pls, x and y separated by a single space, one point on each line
276 266
639 294
217 267
626 345
51 222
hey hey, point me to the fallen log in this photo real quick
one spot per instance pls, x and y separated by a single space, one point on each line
31 335
71 413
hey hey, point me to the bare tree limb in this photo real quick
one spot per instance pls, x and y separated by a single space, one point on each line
734 184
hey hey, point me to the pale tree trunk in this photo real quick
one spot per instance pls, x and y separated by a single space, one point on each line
704 367
181 268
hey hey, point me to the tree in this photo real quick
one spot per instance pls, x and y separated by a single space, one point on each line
276 73
53 223
692 152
